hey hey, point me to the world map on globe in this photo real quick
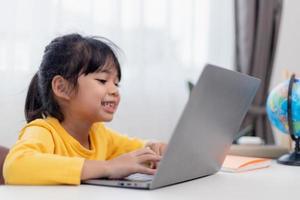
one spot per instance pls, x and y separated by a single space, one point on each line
277 107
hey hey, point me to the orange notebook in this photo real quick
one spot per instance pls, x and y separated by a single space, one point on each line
241 163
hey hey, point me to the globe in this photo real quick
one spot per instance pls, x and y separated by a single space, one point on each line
277 107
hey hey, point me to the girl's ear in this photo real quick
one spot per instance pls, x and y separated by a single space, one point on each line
61 87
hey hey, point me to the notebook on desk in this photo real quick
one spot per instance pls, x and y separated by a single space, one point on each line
243 163
204 132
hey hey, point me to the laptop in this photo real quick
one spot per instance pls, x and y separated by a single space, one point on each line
204 133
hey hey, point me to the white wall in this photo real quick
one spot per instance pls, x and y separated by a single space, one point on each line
288 52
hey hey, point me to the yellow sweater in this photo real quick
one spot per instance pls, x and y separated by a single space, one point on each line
46 154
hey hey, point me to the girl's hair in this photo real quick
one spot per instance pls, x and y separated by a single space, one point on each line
68 56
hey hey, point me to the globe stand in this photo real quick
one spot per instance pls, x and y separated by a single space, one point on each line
292 158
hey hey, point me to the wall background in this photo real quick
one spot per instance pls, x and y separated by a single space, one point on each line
289 42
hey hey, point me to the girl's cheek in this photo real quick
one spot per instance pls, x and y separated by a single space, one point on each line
119 99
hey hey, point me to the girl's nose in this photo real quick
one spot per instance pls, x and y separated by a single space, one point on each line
113 90
114 93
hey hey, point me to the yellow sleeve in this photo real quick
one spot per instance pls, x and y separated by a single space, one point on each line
119 144
32 161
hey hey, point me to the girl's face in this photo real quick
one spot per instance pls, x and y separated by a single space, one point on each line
97 96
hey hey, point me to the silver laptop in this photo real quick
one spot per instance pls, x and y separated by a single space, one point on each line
204 133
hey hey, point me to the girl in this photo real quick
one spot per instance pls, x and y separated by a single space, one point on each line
65 141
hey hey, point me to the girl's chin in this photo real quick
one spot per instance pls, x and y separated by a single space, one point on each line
103 120
106 118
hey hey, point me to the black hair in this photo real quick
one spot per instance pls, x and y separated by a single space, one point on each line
68 56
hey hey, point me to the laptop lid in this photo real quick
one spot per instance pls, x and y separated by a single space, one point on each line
208 124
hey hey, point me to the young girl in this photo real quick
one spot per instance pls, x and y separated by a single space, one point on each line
65 141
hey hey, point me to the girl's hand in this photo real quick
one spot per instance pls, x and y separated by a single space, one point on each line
133 162
159 148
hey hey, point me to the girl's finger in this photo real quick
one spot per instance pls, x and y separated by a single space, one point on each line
155 148
145 170
143 151
148 158
161 149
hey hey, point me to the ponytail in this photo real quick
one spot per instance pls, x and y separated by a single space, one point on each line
33 103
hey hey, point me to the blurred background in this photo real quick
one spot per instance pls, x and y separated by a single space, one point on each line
165 44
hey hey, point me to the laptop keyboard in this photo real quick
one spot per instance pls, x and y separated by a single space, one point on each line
139 177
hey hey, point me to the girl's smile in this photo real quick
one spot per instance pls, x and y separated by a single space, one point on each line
109 106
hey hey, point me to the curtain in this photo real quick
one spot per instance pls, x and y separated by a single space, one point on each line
257 24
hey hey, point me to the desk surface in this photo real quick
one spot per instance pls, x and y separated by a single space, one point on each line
275 182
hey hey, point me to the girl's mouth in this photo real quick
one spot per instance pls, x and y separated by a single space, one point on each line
109 106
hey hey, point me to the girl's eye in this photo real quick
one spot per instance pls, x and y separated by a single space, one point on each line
101 81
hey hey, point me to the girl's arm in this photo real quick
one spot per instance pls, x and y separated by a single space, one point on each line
32 161
119 144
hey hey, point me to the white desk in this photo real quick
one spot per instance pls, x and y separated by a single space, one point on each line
275 182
